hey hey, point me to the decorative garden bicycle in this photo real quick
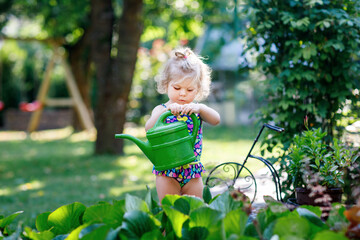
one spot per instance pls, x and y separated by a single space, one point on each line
237 175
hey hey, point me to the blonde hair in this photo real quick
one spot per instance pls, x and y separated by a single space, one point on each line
185 64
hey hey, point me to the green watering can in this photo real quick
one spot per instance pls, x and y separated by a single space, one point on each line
169 145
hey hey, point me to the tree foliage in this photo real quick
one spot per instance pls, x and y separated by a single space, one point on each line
308 50
58 19
74 26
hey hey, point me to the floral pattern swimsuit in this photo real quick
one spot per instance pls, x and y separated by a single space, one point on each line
183 174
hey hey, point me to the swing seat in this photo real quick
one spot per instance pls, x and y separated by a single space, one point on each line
2 105
30 107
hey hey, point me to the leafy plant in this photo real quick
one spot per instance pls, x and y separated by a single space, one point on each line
5 222
311 159
308 51
302 223
184 217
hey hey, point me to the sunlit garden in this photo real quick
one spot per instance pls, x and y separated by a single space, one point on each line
281 120
51 168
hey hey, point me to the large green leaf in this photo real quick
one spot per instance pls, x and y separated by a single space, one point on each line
182 205
176 218
329 235
95 231
269 230
9 219
210 219
235 222
115 217
205 217
135 203
66 218
113 234
74 235
41 222
314 209
251 230
136 223
225 203
153 235
197 233
97 213
292 226
187 204
312 217
207 194
45 235
169 200
152 204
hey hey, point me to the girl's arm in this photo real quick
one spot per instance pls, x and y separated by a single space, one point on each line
155 114
208 114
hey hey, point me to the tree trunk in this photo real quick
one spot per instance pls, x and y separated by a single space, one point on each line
114 76
130 27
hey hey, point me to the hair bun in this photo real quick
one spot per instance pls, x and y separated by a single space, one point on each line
182 55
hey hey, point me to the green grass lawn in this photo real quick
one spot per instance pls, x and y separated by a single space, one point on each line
44 171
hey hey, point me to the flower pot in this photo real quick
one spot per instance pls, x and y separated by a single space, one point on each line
303 198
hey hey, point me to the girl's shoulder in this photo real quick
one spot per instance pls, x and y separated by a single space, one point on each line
159 108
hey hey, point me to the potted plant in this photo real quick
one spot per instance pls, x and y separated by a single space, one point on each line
316 169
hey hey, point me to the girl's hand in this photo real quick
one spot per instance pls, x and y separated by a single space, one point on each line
175 108
191 108
208 114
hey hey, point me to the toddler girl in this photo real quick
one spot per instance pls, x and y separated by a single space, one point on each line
184 79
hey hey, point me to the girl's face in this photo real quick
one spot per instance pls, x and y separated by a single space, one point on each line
183 92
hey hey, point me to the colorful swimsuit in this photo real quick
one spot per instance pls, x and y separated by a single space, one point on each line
183 174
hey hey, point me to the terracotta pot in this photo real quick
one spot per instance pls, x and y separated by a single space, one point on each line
303 198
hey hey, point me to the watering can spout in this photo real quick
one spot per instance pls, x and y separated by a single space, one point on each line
144 146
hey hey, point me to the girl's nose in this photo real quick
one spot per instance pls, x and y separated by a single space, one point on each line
182 92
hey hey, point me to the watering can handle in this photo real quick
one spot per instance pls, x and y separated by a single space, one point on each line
196 124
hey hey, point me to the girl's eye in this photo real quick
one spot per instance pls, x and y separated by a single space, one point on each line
190 90
176 88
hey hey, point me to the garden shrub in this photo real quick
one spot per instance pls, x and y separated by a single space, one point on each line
309 53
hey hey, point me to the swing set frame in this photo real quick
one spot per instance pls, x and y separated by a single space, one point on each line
42 100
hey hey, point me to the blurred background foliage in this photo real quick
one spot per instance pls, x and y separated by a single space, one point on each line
266 55
206 26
